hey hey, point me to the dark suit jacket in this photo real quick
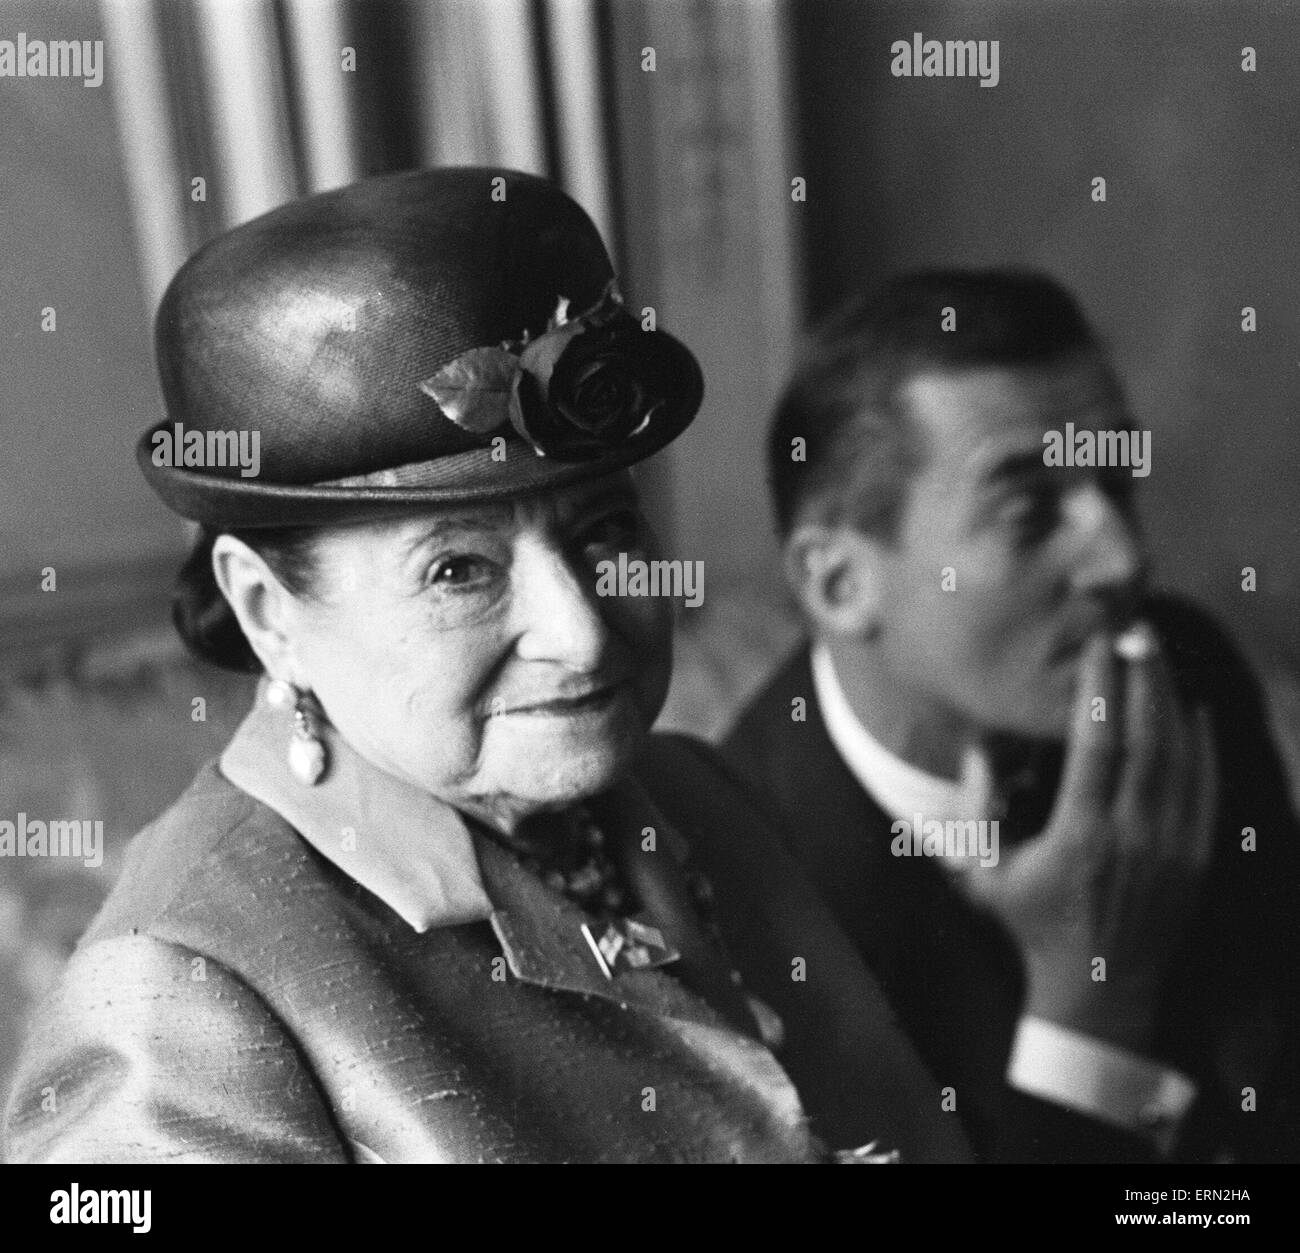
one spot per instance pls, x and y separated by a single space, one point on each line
242 998
1229 1016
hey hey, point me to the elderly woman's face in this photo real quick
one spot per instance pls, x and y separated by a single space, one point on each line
465 649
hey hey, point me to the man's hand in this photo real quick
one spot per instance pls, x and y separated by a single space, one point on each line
1116 872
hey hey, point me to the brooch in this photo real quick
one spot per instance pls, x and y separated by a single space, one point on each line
625 944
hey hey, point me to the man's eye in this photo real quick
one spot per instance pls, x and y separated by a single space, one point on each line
1033 513
615 530
461 572
1117 483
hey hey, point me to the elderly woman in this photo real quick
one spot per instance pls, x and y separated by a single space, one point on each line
443 898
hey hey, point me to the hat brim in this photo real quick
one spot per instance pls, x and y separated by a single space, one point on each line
471 477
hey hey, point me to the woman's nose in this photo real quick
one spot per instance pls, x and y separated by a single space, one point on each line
556 610
1108 554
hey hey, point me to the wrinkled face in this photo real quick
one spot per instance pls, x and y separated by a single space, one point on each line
464 649
1037 557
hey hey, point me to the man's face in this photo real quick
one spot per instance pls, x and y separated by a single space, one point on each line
1037 557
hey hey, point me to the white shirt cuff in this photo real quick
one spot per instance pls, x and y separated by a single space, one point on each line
1100 1080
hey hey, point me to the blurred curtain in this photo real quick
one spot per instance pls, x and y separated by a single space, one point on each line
269 99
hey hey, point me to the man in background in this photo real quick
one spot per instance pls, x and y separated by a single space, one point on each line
1040 799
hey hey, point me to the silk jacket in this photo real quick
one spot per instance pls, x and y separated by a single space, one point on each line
1229 1016
347 973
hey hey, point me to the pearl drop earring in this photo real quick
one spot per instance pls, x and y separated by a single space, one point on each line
308 758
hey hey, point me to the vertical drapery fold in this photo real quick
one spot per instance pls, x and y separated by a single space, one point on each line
326 109
242 63
150 150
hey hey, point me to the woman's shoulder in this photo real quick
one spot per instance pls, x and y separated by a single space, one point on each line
731 827
138 1042
133 1045
212 838
697 787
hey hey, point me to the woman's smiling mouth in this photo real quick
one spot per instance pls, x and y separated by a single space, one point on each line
594 700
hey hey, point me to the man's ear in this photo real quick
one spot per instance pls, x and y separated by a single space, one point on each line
262 604
835 572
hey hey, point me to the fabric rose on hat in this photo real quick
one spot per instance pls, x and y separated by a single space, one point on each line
586 385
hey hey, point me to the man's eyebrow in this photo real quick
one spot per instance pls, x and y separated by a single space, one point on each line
1023 463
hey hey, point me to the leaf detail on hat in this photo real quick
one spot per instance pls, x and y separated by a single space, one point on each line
477 390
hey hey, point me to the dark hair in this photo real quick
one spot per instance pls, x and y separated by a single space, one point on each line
858 451
202 615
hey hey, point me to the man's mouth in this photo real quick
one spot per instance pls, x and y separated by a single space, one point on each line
1070 647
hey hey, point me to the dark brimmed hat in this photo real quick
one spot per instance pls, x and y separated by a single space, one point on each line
443 335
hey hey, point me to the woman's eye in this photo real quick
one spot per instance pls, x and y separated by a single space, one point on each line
461 572
616 530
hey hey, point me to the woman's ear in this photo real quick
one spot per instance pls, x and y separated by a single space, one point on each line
835 573
260 602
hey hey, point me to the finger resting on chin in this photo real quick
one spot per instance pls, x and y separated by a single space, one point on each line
1094 725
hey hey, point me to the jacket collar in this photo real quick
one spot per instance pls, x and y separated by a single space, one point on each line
767 744
419 856
406 847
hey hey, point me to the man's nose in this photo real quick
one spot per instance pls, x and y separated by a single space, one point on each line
557 616
1107 554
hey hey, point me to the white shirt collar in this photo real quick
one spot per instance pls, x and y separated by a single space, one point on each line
898 787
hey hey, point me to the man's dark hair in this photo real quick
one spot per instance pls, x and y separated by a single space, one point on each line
843 400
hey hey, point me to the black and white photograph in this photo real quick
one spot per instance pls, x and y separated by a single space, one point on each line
652 582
